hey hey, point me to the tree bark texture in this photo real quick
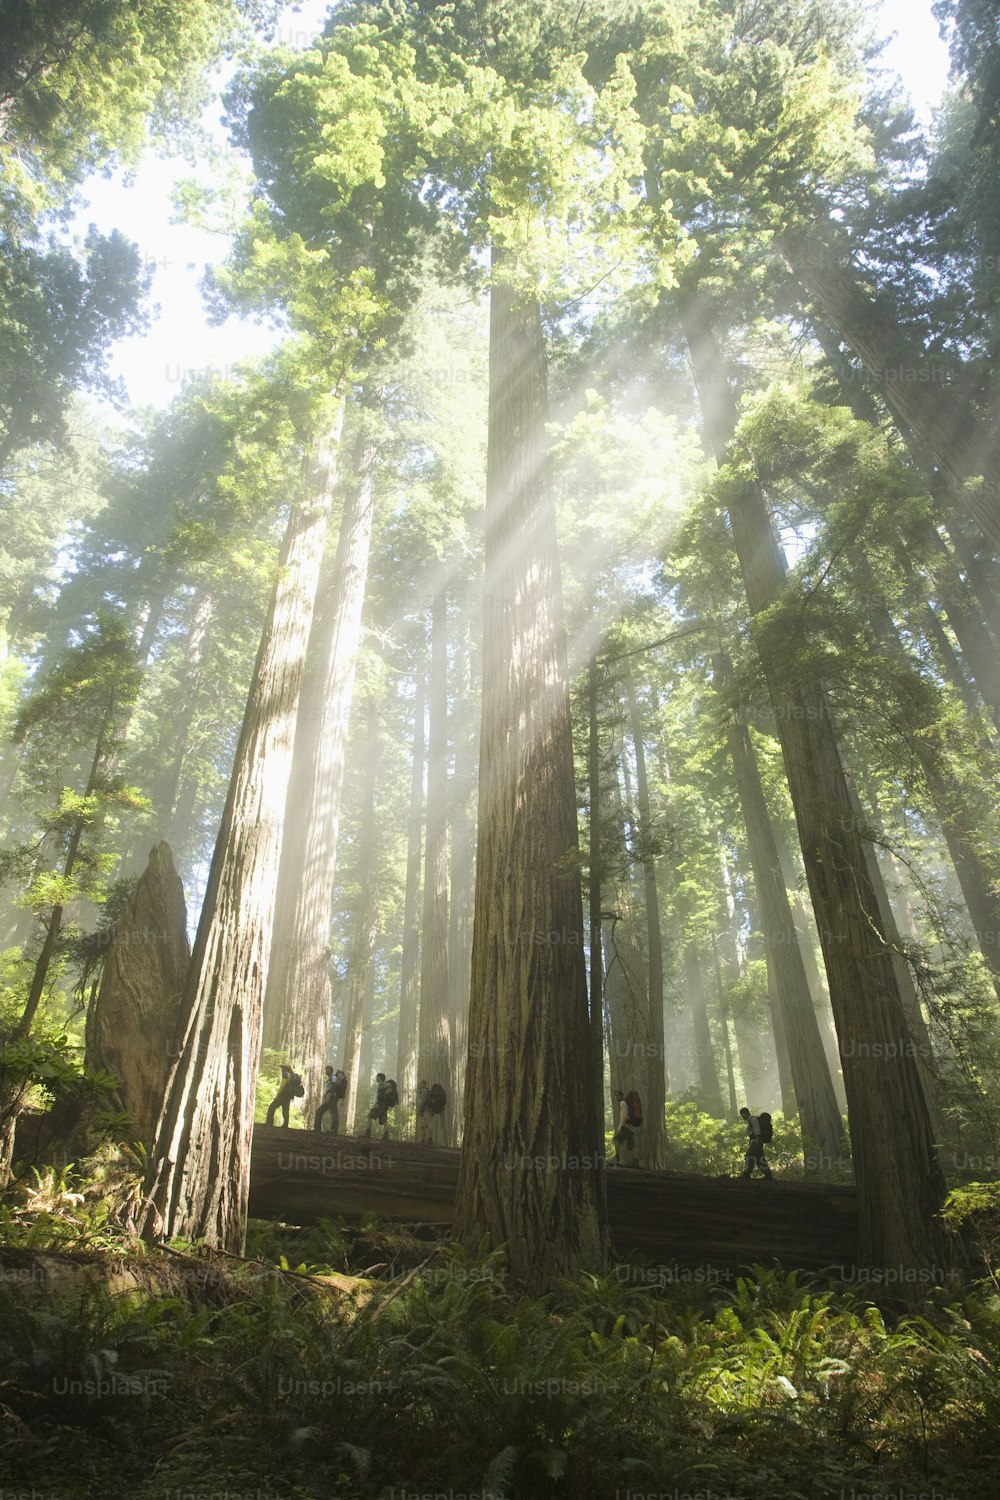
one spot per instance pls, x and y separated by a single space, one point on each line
134 1025
198 1179
532 1162
298 998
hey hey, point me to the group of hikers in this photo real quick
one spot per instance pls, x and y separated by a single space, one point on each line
431 1101
759 1128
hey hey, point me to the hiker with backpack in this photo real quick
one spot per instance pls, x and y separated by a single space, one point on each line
291 1087
629 1121
759 1133
386 1098
430 1107
335 1088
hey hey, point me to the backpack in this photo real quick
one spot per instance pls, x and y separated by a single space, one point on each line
391 1096
766 1128
339 1085
298 1087
437 1099
634 1108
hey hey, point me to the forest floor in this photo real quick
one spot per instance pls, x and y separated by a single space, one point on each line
341 1362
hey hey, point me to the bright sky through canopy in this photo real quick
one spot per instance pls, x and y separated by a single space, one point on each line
181 346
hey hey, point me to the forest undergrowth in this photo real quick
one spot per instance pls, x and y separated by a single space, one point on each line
365 1361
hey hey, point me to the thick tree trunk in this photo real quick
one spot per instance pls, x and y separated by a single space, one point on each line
901 1185
298 997
134 1025
655 1071
434 1051
199 1173
531 1173
822 1128
945 434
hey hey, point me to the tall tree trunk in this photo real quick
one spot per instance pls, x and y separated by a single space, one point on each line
409 972
360 1089
822 1127
199 1174
726 1044
531 1163
655 1071
808 938
434 1052
463 869
168 786
748 1039
595 862
709 1092
941 429
298 997
901 1185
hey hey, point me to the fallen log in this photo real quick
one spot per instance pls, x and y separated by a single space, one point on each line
701 1227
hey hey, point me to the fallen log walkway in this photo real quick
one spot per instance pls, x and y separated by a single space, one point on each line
700 1226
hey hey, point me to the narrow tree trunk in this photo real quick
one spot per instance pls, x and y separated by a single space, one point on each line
596 876
199 1174
808 938
360 1093
822 1128
463 870
167 789
709 1092
298 997
531 1161
655 1071
434 1052
901 1185
726 1044
409 972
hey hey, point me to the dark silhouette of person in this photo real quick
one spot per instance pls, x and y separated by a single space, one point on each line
283 1098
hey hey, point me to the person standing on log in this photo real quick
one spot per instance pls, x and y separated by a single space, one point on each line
755 1144
624 1136
331 1098
425 1121
289 1089
386 1098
